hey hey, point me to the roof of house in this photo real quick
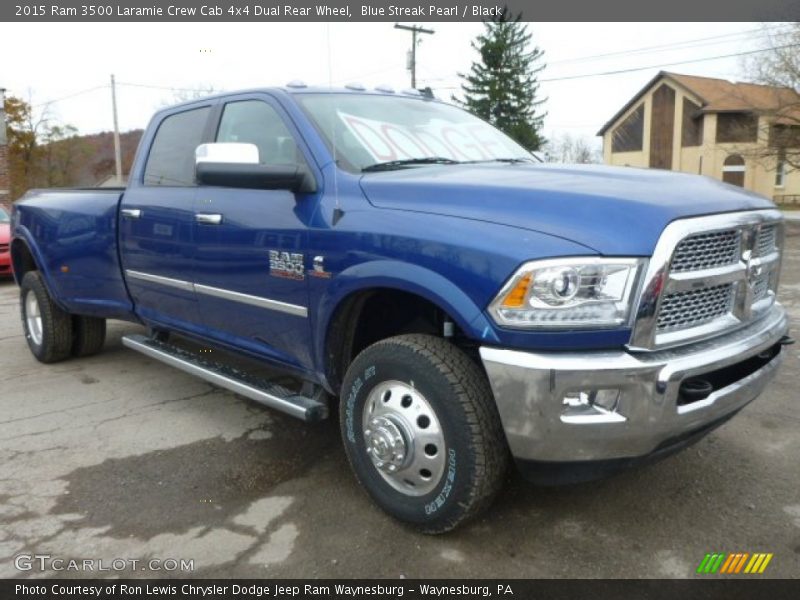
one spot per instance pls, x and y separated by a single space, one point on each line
721 95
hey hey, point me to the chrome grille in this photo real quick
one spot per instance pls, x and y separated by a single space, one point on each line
761 288
707 250
707 276
767 240
697 307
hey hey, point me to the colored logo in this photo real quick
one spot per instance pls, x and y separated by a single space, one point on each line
735 563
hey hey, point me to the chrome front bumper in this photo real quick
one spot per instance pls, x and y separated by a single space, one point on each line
530 388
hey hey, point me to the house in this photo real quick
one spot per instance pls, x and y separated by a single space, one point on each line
739 133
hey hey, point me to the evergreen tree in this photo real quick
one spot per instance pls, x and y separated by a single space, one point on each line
503 86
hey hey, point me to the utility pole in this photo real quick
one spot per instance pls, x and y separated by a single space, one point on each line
414 29
3 134
117 151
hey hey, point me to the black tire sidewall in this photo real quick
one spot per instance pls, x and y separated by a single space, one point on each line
396 362
28 286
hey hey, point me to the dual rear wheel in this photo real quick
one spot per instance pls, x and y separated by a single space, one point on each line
52 333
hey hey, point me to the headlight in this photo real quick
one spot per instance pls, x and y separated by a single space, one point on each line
568 292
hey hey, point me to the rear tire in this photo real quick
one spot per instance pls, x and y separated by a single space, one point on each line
48 329
422 432
89 335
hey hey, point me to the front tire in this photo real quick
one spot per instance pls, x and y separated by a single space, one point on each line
48 329
421 431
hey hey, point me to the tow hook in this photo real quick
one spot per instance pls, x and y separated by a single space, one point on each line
695 389
786 341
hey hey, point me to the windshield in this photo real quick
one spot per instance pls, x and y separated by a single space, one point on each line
371 129
4 218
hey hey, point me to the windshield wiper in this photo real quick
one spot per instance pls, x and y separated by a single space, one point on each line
511 161
397 164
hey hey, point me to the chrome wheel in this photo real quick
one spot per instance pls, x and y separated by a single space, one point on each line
33 318
404 438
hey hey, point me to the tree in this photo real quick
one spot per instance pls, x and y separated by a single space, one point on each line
23 130
779 67
40 151
568 149
61 155
503 87
195 92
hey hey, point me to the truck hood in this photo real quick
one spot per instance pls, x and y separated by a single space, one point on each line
613 210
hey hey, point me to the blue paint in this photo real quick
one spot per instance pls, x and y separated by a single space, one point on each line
451 233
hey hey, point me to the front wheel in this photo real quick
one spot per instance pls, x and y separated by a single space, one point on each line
421 431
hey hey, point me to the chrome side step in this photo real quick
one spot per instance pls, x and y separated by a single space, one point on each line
262 391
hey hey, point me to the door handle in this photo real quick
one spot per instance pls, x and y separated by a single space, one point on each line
131 213
208 219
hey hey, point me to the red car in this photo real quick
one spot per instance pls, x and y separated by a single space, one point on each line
5 242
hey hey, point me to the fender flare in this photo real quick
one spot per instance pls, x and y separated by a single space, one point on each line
405 277
22 235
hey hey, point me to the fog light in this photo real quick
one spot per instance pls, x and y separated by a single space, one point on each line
606 399
591 406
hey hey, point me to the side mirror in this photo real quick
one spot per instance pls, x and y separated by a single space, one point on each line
237 165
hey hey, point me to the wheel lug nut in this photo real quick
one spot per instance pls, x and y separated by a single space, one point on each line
392 468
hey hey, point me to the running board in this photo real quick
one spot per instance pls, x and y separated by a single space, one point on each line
262 391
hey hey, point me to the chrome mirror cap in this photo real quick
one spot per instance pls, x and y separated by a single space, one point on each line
228 152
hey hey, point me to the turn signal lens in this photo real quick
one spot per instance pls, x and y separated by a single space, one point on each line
516 297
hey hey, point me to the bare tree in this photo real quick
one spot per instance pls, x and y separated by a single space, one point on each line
565 148
779 108
191 93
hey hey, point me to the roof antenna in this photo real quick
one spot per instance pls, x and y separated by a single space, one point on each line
338 213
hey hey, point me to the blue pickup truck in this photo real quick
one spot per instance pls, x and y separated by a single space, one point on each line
466 305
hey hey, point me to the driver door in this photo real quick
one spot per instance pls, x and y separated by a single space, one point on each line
250 262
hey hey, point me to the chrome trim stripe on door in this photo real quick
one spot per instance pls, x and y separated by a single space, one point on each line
176 283
292 309
285 307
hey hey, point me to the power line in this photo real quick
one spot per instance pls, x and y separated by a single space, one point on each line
160 87
80 93
669 64
682 45
634 69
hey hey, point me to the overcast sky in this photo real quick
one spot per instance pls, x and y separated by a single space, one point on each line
47 61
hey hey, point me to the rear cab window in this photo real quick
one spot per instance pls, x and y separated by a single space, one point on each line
171 158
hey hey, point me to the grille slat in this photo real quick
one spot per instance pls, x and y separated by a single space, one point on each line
767 240
697 307
707 250
760 288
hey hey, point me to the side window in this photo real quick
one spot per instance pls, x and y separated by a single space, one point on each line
256 122
171 158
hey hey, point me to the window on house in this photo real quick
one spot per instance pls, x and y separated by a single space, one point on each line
784 136
629 135
691 124
737 127
733 170
780 171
